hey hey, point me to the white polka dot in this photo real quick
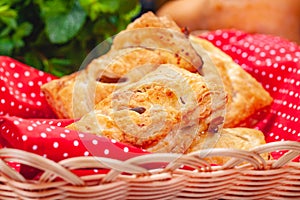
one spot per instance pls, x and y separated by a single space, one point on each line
12 65
67 131
95 142
58 124
27 73
29 128
33 95
251 47
277 58
16 122
126 149
43 135
20 85
282 50
271 134
81 135
38 103
48 129
271 75
86 153
16 75
40 83
276 137
244 54
272 52
3 89
106 151
113 140
62 135
30 83
75 143
263 54
210 37
289 57
55 145
267 47
65 155
48 79
225 35
96 170
218 43
34 147
24 137
41 73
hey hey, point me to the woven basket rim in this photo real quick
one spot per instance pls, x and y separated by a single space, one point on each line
244 171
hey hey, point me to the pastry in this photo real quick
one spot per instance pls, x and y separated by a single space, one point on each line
128 51
161 90
229 138
246 96
167 101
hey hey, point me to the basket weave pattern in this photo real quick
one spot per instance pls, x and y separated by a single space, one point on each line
245 176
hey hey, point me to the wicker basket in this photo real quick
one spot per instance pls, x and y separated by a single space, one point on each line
245 176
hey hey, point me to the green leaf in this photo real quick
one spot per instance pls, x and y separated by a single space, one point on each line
33 59
61 28
95 8
23 30
6 46
127 6
5 32
10 22
50 8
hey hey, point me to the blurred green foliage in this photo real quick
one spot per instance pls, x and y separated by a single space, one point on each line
56 35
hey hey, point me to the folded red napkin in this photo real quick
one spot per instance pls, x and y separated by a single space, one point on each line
28 123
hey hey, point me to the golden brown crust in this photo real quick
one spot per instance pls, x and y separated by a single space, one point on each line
230 138
150 20
246 95
144 113
115 64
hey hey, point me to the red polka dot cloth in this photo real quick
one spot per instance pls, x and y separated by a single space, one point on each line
28 123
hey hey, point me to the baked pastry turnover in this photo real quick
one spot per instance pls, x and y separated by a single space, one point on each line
162 90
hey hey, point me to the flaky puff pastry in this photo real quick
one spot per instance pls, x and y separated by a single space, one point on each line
245 94
166 111
162 112
74 95
229 138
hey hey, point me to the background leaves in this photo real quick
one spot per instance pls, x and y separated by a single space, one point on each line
56 35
